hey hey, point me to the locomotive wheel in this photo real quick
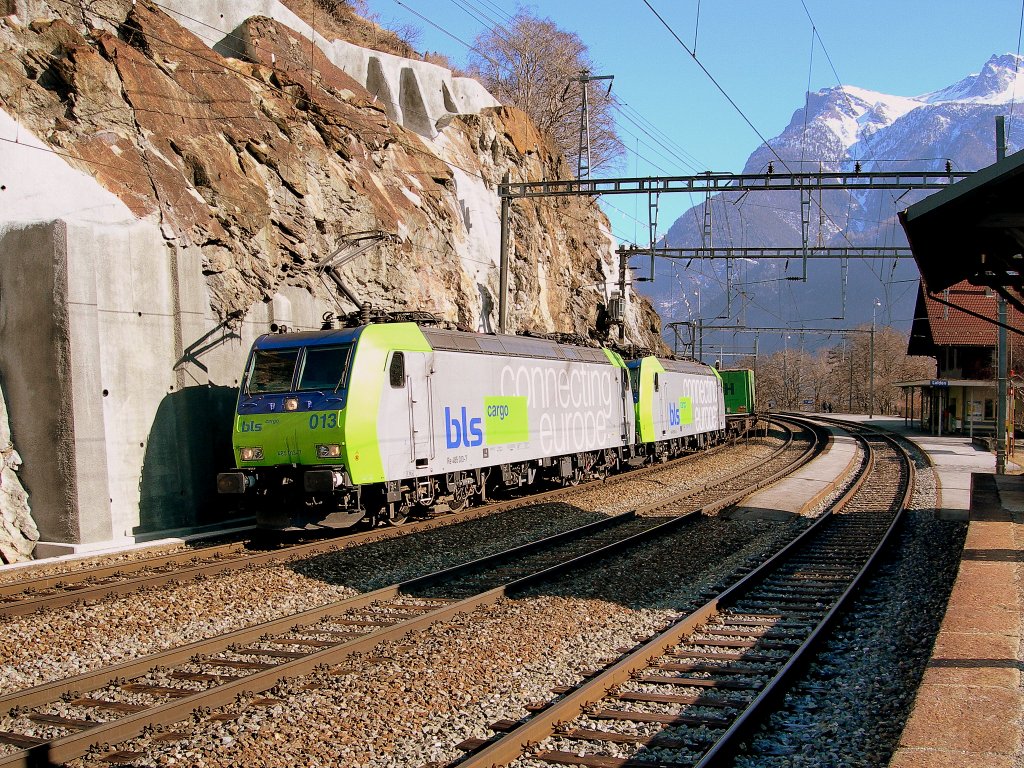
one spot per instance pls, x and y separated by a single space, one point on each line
458 494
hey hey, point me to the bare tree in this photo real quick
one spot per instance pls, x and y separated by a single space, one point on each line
841 375
532 64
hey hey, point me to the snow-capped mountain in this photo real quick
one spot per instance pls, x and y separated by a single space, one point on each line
837 127
1001 81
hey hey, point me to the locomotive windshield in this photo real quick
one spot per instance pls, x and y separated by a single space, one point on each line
319 369
272 370
324 368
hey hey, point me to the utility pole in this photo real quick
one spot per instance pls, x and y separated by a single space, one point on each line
849 404
584 79
871 389
620 312
1001 343
503 264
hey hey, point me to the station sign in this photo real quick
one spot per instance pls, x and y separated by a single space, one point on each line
940 383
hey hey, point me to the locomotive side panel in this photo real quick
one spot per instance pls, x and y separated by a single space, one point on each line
494 409
676 399
690 404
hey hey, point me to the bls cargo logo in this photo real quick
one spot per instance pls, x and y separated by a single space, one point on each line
504 421
681 413
461 430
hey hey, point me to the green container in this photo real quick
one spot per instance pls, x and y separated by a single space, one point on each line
738 387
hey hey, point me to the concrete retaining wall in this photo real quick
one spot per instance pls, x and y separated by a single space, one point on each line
111 358
418 95
121 383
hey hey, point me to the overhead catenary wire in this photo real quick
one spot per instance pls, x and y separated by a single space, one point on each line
662 145
466 170
642 124
815 36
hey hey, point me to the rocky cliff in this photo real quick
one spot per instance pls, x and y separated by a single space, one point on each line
266 161
263 161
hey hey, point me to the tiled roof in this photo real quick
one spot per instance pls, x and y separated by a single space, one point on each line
950 327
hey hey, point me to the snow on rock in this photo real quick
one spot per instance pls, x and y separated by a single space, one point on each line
1000 81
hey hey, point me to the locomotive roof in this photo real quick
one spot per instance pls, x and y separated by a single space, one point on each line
677 366
308 338
515 346
454 341
686 366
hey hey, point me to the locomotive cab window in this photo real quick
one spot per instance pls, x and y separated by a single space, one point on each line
324 368
397 370
634 382
272 370
657 383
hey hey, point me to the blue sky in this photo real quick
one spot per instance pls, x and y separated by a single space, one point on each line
760 52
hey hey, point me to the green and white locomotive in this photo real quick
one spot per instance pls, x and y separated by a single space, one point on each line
376 422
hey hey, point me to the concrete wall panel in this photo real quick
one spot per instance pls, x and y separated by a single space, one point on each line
34 360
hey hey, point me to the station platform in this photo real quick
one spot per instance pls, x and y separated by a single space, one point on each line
805 488
969 707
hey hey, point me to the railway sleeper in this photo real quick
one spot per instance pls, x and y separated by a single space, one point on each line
725 656
20 740
113 706
689 740
602 761
676 698
714 669
635 716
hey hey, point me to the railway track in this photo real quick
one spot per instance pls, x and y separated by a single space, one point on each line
53 591
57 722
693 692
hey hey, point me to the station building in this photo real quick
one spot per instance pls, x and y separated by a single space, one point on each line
968 242
961 397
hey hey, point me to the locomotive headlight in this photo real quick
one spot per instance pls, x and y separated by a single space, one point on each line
251 454
330 451
291 403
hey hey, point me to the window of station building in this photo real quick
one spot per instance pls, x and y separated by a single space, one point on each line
324 368
397 370
990 409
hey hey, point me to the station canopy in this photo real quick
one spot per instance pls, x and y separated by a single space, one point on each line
973 230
